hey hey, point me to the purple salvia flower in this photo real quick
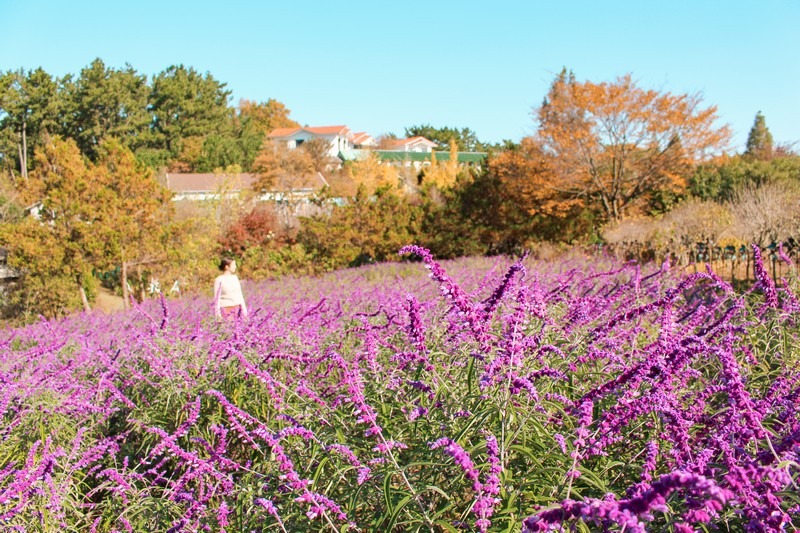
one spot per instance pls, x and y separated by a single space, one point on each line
222 515
561 441
764 281
650 462
783 255
459 455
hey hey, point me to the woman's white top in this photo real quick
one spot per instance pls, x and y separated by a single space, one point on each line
228 291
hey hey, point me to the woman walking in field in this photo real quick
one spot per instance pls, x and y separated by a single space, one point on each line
228 297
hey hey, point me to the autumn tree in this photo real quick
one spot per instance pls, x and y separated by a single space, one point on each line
442 174
759 140
48 286
259 227
87 217
614 144
386 141
62 239
369 173
526 176
132 211
266 116
279 166
318 150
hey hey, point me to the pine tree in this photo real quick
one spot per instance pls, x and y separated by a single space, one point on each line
759 140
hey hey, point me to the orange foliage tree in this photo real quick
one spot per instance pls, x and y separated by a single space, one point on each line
278 166
616 144
526 177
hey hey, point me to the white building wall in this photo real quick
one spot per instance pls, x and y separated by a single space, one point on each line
338 143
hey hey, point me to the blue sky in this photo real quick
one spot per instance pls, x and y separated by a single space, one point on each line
383 66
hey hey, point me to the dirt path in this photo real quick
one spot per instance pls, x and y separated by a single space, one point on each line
107 301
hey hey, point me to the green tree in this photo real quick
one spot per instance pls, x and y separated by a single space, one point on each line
759 140
718 180
187 104
367 228
30 108
106 102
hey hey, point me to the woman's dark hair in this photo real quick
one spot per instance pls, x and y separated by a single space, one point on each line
225 262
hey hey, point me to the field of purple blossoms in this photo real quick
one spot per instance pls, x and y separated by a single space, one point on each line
486 395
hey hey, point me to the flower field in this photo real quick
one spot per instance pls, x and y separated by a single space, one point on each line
475 395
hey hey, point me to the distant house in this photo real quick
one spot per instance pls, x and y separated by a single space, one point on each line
362 140
207 186
341 139
411 144
210 186
337 136
417 151
8 275
292 197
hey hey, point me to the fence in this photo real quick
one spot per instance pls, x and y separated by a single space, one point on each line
731 262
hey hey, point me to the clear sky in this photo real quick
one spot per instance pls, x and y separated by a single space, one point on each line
383 66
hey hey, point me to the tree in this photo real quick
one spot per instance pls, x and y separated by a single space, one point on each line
318 150
369 173
133 209
614 144
442 174
105 102
719 179
48 284
368 228
30 108
526 176
766 213
256 228
186 104
89 217
279 166
66 195
265 116
759 140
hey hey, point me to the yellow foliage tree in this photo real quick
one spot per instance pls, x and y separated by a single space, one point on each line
371 174
443 174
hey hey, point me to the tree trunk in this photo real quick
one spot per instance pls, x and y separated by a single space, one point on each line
84 299
773 258
747 269
22 149
142 294
124 281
